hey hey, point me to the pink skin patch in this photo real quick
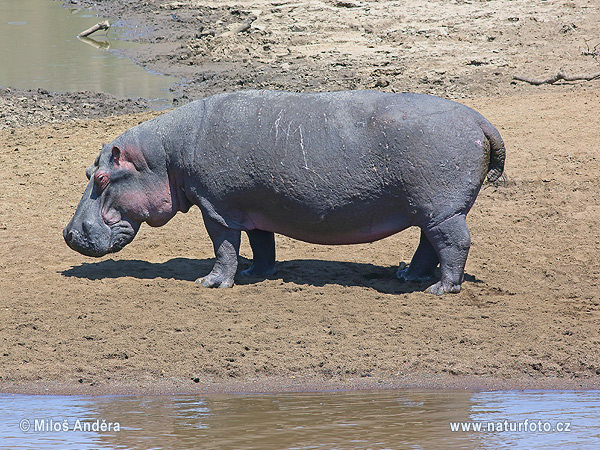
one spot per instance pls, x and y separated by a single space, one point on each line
154 208
111 217
134 204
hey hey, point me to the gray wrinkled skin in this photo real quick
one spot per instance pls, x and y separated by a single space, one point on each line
330 168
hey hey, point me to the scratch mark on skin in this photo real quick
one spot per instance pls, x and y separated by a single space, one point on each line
302 146
287 133
314 172
287 138
276 124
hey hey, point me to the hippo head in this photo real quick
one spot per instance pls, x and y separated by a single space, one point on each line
125 189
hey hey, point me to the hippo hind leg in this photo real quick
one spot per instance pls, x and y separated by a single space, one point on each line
451 241
226 243
263 254
423 263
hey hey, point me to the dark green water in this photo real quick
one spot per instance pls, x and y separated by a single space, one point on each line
397 419
39 49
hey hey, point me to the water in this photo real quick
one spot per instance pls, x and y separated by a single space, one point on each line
398 419
39 49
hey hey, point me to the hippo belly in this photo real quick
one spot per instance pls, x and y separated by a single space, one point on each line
327 230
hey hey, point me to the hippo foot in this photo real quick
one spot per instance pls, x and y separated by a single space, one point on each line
258 272
441 288
405 275
214 281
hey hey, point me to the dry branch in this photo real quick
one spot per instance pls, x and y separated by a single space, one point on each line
99 26
559 76
591 52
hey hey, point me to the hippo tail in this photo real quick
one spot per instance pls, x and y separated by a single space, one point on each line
497 151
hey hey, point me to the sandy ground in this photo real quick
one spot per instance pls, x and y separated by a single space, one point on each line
333 317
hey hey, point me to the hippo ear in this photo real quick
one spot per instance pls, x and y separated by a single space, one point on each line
116 156
128 159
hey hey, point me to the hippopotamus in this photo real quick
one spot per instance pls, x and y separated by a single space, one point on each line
327 168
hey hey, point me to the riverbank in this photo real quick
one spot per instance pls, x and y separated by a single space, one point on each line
334 317
278 385
449 48
34 107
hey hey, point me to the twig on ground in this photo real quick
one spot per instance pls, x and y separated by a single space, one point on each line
591 52
347 4
244 26
559 76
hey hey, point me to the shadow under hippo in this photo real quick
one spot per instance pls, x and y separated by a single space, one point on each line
310 272
327 168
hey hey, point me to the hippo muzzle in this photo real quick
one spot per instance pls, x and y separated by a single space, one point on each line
92 240
91 234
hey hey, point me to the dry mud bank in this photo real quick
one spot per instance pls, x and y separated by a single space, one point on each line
452 48
456 49
31 107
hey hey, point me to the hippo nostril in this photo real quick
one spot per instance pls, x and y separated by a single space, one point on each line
68 235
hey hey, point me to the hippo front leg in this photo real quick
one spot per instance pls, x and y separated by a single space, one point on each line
226 243
263 254
451 240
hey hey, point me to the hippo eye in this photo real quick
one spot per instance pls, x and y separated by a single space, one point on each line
101 178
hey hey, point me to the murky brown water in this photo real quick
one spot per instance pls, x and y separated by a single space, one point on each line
377 420
39 49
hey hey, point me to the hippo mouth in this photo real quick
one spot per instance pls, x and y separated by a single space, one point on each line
100 240
121 234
